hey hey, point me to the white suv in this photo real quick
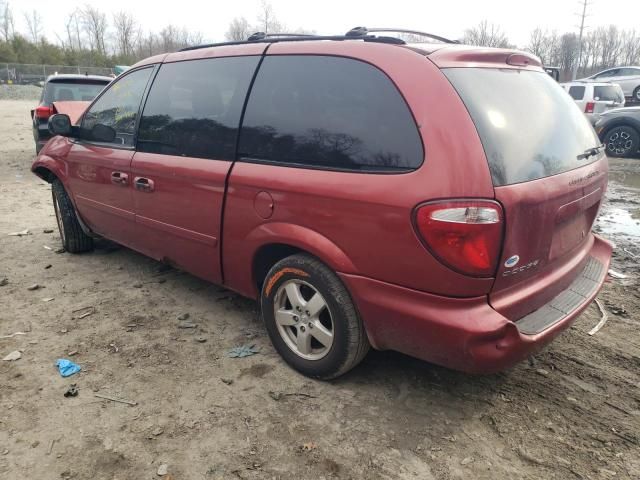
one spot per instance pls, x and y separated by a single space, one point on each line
595 98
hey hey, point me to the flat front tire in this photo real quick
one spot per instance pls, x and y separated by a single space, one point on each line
311 319
74 240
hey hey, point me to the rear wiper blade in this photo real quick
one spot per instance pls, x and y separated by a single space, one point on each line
590 152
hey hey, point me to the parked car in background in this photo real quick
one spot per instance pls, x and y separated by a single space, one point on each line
627 77
64 87
434 199
594 98
619 130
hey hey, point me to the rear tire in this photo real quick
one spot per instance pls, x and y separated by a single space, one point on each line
622 141
74 239
317 330
636 94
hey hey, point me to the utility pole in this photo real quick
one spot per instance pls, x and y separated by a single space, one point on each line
574 73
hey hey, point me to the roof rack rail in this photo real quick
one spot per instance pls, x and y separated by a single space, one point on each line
357 33
299 38
363 31
257 36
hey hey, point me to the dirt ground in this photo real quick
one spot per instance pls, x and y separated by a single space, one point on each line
574 413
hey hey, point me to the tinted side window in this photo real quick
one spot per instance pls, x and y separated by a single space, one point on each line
609 73
607 93
629 71
329 112
193 108
118 106
577 93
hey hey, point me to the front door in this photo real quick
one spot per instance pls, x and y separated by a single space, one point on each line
185 148
100 172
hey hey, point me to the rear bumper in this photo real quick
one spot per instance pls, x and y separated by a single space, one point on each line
461 333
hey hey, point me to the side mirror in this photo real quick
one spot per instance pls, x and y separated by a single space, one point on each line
103 133
60 124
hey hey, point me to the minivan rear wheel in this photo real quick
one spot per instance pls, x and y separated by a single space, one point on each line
311 319
74 240
622 141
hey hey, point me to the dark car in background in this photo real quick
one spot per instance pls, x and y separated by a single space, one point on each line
59 88
619 130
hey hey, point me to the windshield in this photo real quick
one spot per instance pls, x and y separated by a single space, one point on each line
63 91
529 127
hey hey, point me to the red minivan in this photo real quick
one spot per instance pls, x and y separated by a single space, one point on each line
434 199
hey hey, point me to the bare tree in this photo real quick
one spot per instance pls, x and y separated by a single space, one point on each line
630 50
267 21
486 34
7 25
147 45
239 29
568 55
34 25
72 27
126 32
95 25
538 44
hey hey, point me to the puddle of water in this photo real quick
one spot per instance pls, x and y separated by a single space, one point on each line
619 221
626 179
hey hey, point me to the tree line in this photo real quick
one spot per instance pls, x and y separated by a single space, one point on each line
89 37
602 47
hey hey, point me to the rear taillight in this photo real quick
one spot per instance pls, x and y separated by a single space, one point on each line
465 235
589 107
44 112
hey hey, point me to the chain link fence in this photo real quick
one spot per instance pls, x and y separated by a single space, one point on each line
33 74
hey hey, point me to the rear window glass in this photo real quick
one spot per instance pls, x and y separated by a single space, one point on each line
577 93
329 112
607 93
529 127
63 91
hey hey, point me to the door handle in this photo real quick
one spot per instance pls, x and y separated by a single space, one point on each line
119 178
144 184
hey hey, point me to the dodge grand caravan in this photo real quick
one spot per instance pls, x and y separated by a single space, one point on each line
434 199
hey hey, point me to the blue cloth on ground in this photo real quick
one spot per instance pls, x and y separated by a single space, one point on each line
67 367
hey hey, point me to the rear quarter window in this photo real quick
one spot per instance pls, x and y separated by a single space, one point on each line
328 112
529 127
607 93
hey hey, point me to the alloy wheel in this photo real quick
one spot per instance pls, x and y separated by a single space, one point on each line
303 319
619 143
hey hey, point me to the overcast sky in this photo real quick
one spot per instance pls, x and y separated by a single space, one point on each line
447 18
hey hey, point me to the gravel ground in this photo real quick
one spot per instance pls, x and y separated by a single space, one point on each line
198 414
20 92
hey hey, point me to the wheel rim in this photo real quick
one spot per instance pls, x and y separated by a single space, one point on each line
56 207
638 94
303 319
619 142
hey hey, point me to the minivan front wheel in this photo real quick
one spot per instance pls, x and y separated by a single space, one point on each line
74 240
311 319
622 142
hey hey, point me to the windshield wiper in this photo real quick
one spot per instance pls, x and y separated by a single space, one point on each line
590 152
